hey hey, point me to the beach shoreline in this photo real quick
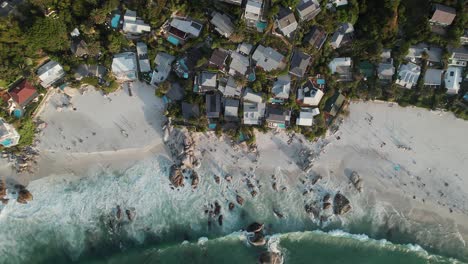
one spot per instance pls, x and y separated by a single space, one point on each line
413 177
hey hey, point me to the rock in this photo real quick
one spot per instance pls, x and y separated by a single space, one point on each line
24 196
270 258
239 200
356 181
228 178
2 188
255 227
130 214
176 177
277 213
253 193
217 209
341 204
4 201
274 186
217 179
327 206
312 210
231 206
258 239
195 179
220 220
119 212
316 179
327 198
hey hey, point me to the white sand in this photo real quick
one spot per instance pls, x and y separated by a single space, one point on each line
114 131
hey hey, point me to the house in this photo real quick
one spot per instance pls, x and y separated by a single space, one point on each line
9 137
234 2
422 50
443 15
222 24
268 59
23 93
181 30
86 70
282 87
205 82
79 48
251 96
433 78
277 117
218 59
286 22
316 37
342 35
334 104
190 111
230 88
253 12
408 75
253 113
453 79
464 38
176 92
143 61
299 63
309 94
184 66
306 116
124 66
231 109
162 67
386 70
239 64
336 3
458 57
50 73
343 68
132 25
307 9
213 105
245 48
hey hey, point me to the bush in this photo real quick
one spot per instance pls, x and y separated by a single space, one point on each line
27 132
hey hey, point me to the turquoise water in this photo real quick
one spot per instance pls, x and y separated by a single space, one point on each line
296 248
73 219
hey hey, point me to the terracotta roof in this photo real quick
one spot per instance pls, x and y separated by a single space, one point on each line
443 14
23 93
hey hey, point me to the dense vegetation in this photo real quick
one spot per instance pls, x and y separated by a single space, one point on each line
41 30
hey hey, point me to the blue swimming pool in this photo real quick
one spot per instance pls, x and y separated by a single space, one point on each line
115 21
17 113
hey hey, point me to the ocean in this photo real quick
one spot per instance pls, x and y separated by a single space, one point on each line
73 219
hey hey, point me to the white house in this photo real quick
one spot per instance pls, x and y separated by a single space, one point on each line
143 61
306 116
133 25
162 68
50 73
342 67
253 12
408 75
453 79
282 87
124 66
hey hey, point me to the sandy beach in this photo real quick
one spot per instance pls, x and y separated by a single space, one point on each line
412 161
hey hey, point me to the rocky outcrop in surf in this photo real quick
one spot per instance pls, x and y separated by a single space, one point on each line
270 258
341 204
24 196
258 238
176 177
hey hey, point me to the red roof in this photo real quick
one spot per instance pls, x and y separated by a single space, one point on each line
23 93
